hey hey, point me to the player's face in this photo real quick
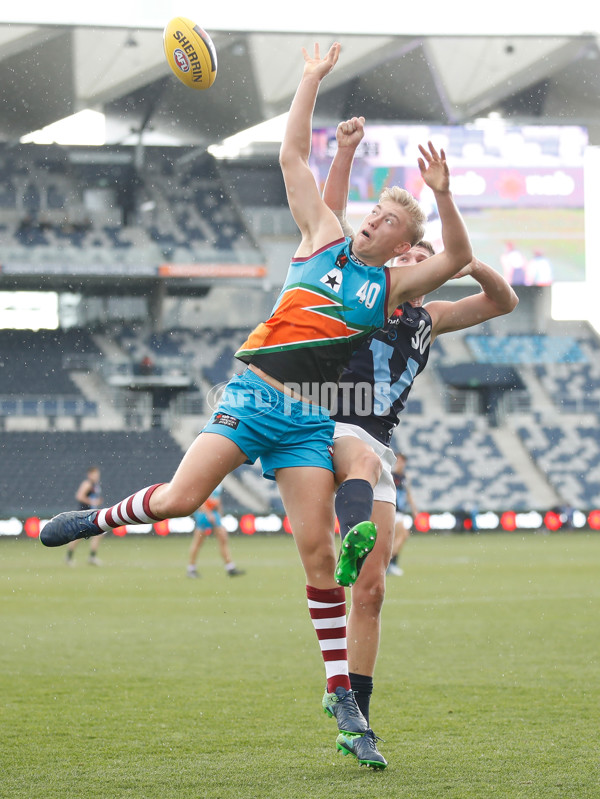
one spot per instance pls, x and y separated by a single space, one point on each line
414 256
382 234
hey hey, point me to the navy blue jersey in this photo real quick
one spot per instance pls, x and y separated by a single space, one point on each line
401 491
399 481
94 492
375 385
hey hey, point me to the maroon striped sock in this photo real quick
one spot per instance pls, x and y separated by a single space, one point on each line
328 613
133 510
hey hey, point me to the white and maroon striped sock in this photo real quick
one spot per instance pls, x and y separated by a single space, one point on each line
133 510
327 609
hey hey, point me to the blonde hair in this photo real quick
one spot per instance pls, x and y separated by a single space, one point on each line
416 216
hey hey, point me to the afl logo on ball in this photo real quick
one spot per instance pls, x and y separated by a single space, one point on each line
181 60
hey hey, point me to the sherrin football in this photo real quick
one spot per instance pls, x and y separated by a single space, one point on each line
190 53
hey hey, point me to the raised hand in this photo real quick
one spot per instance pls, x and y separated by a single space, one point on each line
434 169
315 65
350 132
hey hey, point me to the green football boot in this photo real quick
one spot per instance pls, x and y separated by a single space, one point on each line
356 545
342 705
363 747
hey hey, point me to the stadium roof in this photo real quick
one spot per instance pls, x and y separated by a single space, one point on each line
447 67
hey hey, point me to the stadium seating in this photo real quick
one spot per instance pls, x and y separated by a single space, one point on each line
568 453
34 362
191 213
45 206
47 467
454 464
51 408
525 349
574 385
209 350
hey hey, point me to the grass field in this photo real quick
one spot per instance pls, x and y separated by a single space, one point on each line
131 680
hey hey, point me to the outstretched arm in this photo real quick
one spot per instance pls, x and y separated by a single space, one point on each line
495 299
413 281
348 135
318 225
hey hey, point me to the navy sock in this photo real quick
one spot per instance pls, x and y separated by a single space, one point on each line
353 504
362 685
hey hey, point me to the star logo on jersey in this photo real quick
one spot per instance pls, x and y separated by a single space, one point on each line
333 279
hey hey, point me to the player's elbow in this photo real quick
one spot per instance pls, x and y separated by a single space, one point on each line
512 302
507 305
284 156
290 158
463 254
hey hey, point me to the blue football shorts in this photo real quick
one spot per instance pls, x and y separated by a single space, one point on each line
202 521
269 425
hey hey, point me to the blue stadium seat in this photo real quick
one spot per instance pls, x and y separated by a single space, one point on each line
568 453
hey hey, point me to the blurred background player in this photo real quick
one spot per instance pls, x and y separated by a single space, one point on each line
404 504
514 265
539 270
208 520
89 496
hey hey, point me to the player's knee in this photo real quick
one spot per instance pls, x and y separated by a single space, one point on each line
369 595
324 560
169 504
319 562
221 534
367 466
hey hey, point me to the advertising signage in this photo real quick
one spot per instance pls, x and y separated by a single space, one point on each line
520 189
